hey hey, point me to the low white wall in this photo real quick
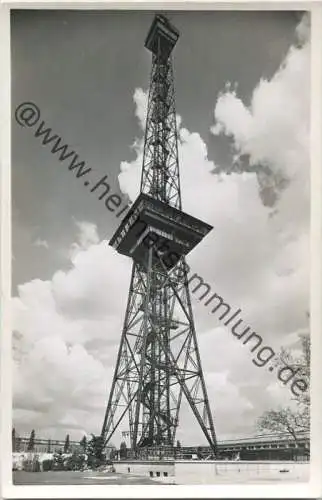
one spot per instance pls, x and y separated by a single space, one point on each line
156 468
211 471
206 472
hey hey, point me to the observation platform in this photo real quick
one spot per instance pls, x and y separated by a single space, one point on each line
162 35
151 223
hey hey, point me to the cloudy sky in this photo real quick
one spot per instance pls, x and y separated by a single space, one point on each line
242 94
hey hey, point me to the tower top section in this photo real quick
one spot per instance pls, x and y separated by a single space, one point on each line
162 37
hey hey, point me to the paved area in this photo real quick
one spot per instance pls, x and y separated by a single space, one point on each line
246 477
73 478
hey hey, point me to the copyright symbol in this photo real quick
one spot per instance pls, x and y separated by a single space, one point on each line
27 113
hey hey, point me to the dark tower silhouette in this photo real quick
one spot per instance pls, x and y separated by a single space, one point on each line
158 360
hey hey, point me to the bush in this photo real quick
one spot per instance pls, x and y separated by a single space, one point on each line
31 465
75 462
48 465
58 461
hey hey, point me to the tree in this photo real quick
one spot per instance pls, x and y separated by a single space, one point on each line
59 463
123 450
95 452
178 444
302 365
283 421
18 443
83 444
67 444
13 439
287 420
31 443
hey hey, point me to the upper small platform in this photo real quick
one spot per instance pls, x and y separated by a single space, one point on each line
162 33
153 223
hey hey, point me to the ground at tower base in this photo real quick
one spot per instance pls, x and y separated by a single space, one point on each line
76 477
174 473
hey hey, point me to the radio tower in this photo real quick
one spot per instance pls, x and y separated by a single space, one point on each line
158 360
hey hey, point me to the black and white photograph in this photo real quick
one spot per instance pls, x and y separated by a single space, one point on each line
160 220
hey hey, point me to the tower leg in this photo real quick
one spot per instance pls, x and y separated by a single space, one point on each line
158 360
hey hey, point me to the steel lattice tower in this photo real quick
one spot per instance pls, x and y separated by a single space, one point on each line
158 360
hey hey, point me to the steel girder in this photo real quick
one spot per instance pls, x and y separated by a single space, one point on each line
158 360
